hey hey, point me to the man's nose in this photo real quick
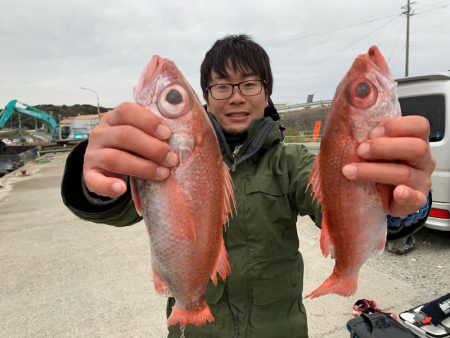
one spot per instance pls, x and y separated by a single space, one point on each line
236 95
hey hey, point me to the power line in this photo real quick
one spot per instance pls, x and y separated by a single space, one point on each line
371 32
329 29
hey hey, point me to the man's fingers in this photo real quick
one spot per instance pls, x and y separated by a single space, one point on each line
135 115
120 162
412 150
103 185
410 126
388 173
406 201
135 141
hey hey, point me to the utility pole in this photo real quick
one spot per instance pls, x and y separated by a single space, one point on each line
98 103
408 13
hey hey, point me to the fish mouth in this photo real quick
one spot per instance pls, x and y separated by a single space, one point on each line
377 58
143 92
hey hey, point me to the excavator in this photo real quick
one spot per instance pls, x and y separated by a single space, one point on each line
59 134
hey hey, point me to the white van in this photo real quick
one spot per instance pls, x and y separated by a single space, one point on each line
429 96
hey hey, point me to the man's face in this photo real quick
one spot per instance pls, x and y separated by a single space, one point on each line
235 113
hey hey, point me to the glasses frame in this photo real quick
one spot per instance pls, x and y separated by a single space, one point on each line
208 89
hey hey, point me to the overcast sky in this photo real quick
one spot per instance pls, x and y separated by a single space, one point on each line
51 48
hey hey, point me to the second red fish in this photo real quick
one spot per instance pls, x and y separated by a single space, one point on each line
353 213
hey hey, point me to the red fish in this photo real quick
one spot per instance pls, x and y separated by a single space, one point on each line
353 213
185 213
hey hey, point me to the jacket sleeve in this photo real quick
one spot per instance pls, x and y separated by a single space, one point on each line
403 227
300 162
88 206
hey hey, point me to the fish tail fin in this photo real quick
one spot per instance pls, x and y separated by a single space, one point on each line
222 266
195 317
336 283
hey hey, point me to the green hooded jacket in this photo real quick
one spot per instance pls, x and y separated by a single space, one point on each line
262 297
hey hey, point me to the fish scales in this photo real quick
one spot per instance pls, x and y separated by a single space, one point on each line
353 213
185 213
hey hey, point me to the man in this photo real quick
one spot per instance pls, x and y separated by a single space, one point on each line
263 295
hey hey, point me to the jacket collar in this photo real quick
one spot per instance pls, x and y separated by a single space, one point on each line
262 134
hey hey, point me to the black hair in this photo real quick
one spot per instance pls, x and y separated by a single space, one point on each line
241 53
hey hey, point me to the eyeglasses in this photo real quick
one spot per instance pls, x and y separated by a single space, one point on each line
224 91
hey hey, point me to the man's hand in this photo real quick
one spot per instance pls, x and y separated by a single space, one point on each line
129 141
398 154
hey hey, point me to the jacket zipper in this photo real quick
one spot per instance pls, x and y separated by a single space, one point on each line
234 156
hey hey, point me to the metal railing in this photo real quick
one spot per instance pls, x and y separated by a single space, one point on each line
300 106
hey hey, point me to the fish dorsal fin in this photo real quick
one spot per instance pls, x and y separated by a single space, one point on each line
229 200
222 265
314 179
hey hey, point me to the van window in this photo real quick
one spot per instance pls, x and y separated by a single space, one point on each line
430 106
65 132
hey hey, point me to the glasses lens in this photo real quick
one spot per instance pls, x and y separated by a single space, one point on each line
225 90
249 88
221 91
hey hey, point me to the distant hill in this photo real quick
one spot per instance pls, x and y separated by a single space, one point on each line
297 120
61 112
57 112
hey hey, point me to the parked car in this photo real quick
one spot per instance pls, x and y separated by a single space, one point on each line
429 96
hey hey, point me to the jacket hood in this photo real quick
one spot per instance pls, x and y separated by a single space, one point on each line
271 111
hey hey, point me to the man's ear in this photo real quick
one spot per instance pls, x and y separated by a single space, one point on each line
205 96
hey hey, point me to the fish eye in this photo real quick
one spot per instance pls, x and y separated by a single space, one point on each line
362 93
362 90
174 101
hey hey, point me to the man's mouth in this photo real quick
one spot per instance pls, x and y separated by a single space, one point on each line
237 114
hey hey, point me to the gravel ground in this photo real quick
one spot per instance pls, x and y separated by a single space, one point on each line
426 267
64 277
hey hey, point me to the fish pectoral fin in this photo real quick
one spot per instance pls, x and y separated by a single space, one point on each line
160 286
181 218
222 265
381 240
386 192
326 242
135 196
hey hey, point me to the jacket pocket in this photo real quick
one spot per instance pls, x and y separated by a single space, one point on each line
267 186
279 288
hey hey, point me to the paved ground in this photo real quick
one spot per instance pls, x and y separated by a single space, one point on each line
63 277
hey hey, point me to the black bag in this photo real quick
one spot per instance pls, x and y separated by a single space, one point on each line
378 325
431 319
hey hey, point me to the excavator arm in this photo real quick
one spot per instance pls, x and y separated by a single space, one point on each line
25 109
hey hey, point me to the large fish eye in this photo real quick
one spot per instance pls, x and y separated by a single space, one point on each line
362 93
362 90
174 101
